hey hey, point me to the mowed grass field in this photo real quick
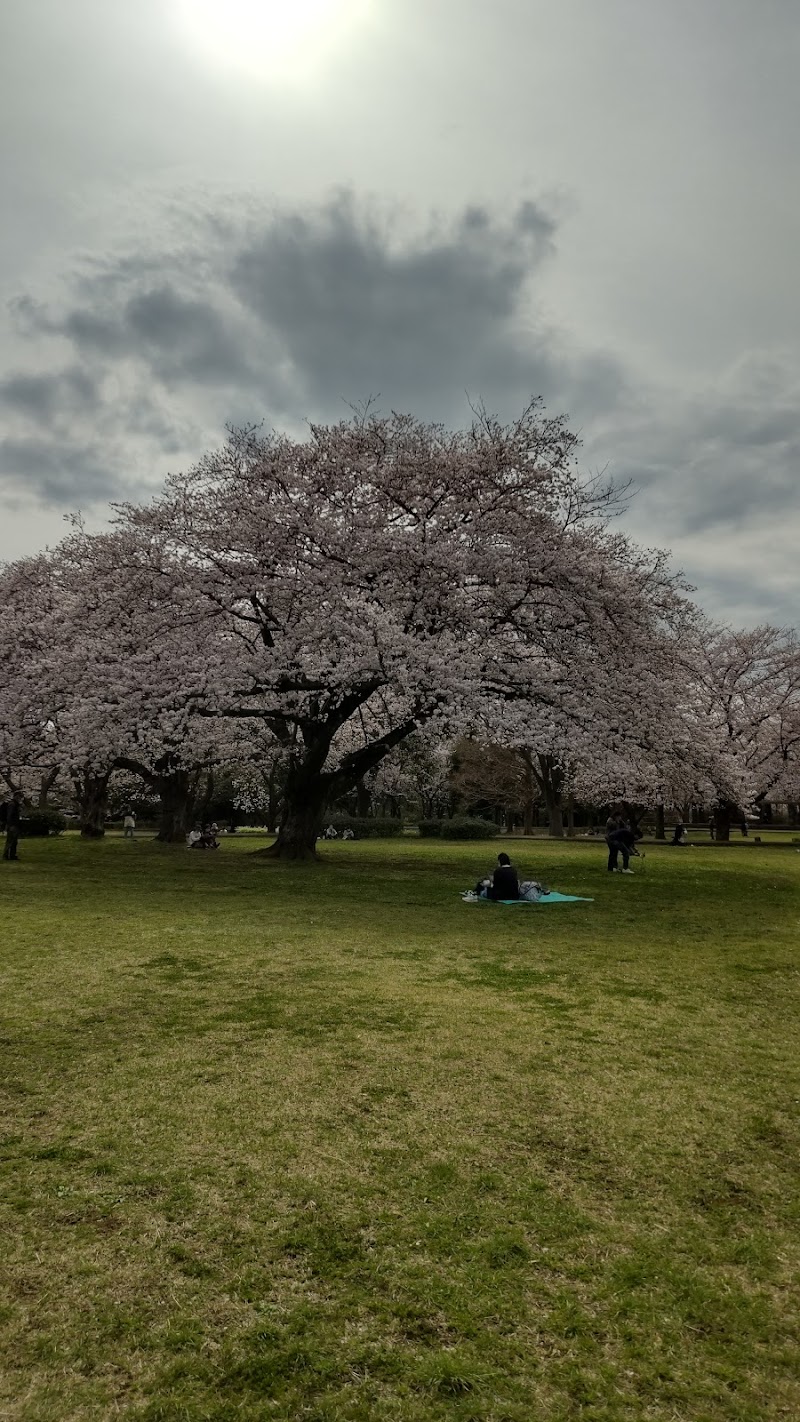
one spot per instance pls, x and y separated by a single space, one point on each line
325 1143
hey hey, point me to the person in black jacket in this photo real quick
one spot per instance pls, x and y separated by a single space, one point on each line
12 819
621 839
504 882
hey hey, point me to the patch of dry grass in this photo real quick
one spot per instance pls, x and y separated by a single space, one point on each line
325 1143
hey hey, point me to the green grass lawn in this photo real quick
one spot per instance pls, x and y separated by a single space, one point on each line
324 1143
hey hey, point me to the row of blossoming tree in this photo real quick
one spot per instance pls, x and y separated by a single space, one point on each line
321 605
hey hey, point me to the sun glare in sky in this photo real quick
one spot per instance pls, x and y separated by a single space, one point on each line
273 38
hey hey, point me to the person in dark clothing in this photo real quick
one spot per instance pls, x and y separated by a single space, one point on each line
12 819
679 833
504 882
618 844
620 840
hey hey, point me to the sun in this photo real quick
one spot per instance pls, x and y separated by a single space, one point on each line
272 38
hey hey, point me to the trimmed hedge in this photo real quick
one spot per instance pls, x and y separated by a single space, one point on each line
460 827
367 828
37 824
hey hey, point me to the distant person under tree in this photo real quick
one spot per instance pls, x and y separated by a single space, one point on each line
12 818
621 840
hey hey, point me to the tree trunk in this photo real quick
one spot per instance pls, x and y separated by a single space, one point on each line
723 814
793 812
570 816
45 786
305 800
550 778
177 793
363 800
555 816
272 801
300 828
92 793
208 796
309 787
661 832
529 807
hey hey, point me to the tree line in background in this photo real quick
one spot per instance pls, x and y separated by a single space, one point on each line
385 615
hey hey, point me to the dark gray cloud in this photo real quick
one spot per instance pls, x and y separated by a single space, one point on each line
721 457
182 338
717 474
419 322
44 397
287 316
61 476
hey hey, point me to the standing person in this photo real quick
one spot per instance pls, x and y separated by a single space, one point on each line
12 819
712 827
620 839
129 825
744 829
679 834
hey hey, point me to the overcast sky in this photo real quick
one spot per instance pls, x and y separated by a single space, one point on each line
211 217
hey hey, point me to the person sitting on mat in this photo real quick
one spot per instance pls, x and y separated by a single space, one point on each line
504 883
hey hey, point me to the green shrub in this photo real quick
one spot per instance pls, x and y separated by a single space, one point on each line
366 828
460 827
38 824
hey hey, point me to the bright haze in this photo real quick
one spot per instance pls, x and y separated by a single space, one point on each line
223 211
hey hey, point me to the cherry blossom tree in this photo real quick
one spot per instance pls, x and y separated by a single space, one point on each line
30 757
747 687
87 688
319 616
348 590
133 674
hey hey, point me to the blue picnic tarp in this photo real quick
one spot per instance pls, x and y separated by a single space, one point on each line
551 898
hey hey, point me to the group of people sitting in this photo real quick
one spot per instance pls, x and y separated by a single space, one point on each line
203 837
332 833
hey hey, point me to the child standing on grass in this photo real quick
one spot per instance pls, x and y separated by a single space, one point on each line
129 825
